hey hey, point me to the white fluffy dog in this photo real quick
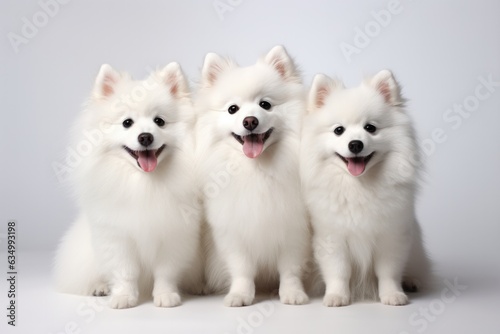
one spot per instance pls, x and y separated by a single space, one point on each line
248 145
135 186
359 166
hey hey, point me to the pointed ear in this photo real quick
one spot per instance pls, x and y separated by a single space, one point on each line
282 63
106 81
213 66
173 77
321 88
387 86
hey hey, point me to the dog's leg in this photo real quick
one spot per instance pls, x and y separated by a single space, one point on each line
390 258
117 258
124 292
242 272
332 255
291 267
165 291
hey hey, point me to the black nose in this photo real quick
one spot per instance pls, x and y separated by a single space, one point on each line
145 139
356 146
250 123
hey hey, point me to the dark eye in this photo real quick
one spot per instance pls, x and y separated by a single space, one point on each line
127 123
232 109
265 105
370 128
339 130
159 121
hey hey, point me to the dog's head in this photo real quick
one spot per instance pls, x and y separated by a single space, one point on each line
138 121
248 106
357 128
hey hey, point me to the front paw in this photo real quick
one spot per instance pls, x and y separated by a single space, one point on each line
395 298
168 299
335 299
237 300
293 297
123 301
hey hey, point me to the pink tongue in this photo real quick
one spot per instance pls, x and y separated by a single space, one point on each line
147 160
253 145
356 166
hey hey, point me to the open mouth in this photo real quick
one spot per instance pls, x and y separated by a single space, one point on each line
146 159
253 144
356 165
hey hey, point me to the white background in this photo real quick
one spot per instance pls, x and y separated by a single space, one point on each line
438 50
